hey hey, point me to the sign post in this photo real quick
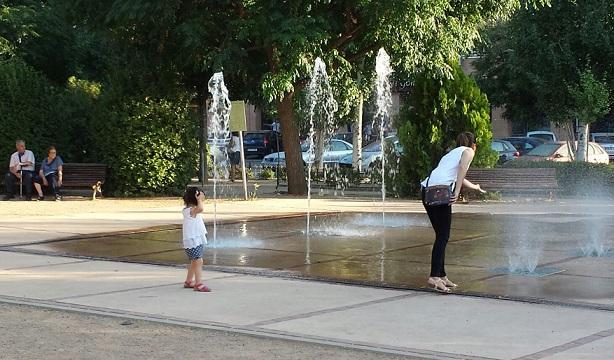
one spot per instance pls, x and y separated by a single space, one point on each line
238 122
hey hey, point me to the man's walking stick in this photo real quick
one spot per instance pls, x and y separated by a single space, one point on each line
21 183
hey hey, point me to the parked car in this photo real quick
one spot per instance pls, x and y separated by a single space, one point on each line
562 151
606 140
524 144
260 143
345 136
506 150
547 136
372 152
335 150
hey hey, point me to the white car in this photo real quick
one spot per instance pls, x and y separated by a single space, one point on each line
606 140
372 152
544 135
335 150
561 152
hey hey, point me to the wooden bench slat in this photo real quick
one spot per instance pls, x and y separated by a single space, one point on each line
527 179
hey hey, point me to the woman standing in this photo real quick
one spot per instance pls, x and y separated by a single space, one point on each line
450 172
50 174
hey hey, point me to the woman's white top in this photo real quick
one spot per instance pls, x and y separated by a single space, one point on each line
447 171
194 230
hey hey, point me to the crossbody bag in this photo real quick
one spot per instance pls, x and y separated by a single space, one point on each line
437 195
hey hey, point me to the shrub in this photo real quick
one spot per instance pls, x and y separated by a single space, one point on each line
576 178
435 113
150 146
267 173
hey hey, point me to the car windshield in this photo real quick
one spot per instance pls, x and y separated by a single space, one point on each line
373 147
304 146
605 139
253 137
546 137
544 150
376 147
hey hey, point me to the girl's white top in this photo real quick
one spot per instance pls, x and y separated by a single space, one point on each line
446 172
194 230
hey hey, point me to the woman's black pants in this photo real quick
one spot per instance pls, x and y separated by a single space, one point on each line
441 220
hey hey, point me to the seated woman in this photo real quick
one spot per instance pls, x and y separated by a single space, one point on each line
50 174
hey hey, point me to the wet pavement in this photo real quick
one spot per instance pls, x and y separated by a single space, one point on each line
528 257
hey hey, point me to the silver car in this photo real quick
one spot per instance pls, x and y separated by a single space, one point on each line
373 152
335 150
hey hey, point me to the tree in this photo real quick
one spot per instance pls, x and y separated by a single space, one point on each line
590 103
529 62
267 48
436 112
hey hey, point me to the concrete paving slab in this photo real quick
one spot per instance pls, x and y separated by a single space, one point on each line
93 277
12 260
470 326
11 235
595 350
239 300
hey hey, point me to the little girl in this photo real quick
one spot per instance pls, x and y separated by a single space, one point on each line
194 238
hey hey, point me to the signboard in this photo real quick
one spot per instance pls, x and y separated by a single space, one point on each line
238 120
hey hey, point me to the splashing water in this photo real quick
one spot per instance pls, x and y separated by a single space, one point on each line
595 246
383 104
523 248
322 108
219 111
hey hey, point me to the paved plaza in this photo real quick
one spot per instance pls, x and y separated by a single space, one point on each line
272 294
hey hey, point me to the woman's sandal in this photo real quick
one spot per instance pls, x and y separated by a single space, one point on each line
448 283
188 284
201 288
439 285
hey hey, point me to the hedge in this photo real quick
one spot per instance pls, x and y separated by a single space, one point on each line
576 178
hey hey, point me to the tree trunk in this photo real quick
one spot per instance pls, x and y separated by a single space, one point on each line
357 137
582 142
297 185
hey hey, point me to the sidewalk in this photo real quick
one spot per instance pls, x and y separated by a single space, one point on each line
420 324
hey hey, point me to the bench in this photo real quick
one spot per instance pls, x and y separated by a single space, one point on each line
516 180
81 176
86 176
76 175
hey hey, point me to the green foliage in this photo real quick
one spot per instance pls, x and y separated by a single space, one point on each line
591 98
576 178
150 146
267 173
42 114
530 63
435 113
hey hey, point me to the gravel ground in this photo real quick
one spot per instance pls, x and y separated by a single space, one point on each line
35 333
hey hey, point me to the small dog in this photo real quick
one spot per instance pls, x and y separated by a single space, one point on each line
97 190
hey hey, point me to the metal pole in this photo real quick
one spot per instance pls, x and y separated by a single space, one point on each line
277 167
20 183
244 175
204 155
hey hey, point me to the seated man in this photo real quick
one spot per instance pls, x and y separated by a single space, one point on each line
21 168
50 174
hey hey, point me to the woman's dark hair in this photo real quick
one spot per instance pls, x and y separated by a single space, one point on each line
465 139
51 148
189 197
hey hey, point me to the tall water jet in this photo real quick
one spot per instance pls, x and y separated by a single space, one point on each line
219 111
322 108
383 104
